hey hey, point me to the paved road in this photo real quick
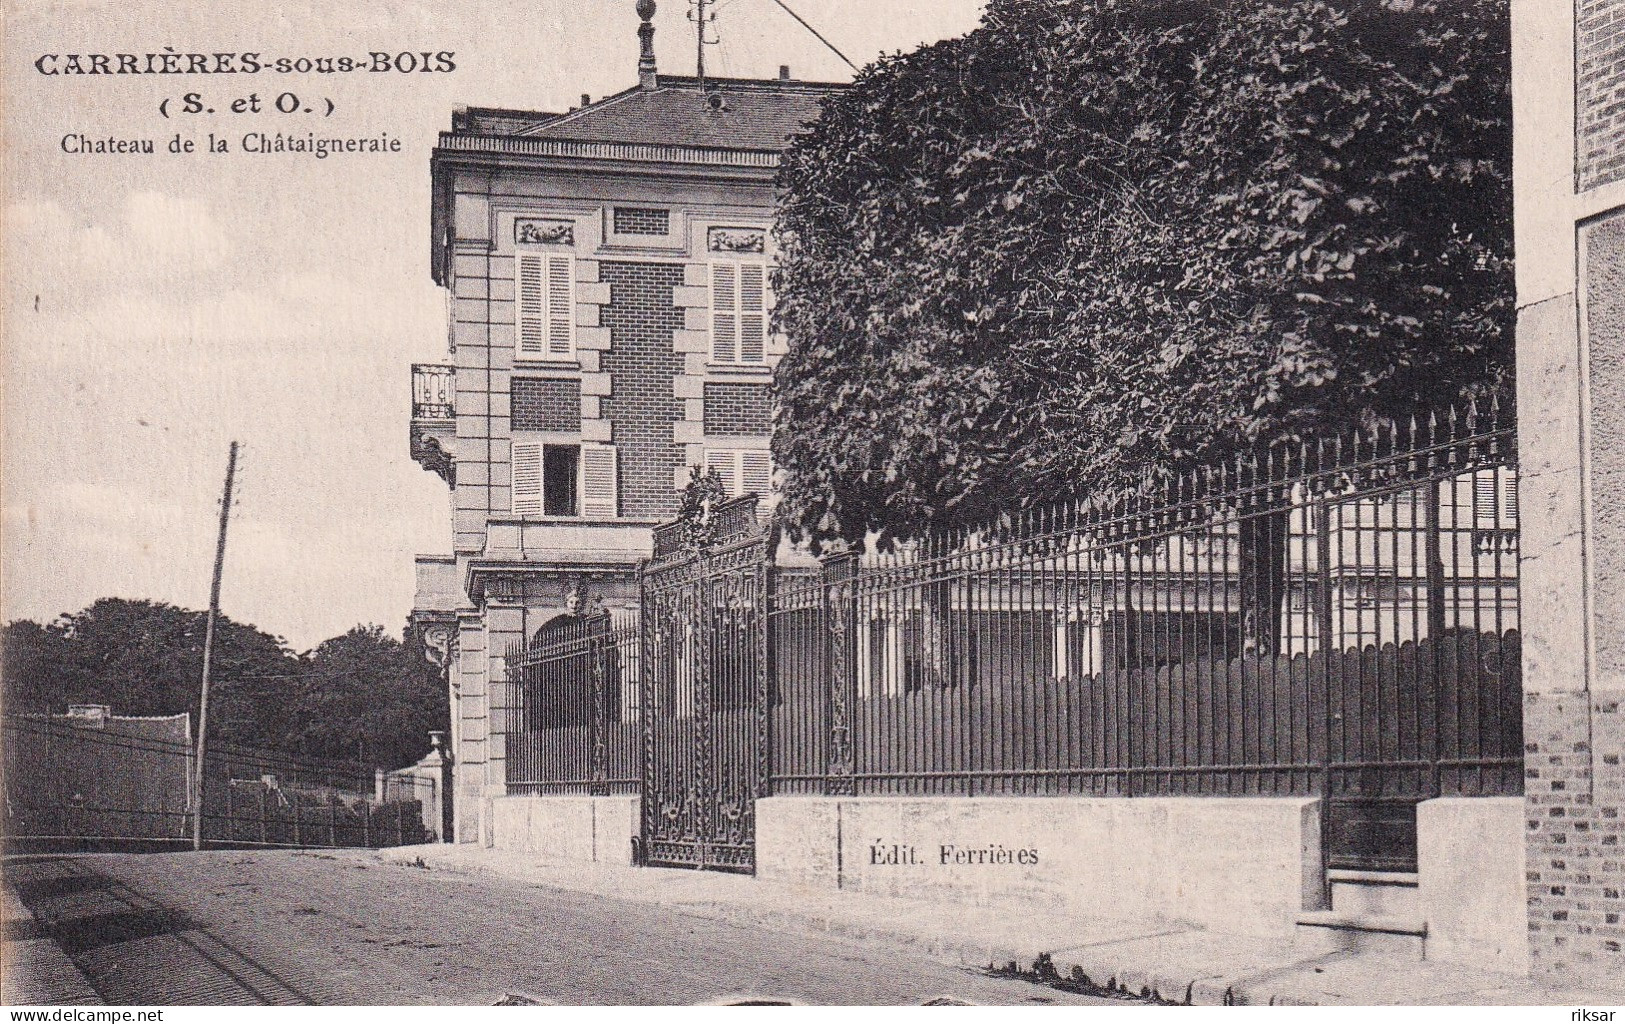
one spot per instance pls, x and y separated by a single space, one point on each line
293 928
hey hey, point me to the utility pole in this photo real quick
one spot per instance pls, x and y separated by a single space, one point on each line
698 15
208 653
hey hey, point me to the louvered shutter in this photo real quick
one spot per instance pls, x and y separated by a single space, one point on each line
755 472
752 312
525 458
561 307
724 313
598 490
1484 497
1509 504
530 316
723 461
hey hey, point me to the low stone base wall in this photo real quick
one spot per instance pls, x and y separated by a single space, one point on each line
591 829
1245 865
1470 880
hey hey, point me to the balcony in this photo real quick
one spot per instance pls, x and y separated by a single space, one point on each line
434 418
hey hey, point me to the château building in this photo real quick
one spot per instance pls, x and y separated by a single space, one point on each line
607 269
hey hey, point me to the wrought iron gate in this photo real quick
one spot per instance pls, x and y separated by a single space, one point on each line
705 706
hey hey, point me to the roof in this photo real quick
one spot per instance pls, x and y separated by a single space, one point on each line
727 113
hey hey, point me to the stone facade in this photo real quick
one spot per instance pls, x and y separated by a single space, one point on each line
578 250
1569 212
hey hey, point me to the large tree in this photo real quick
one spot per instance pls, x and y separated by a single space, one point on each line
1096 242
145 658
360 696
368 697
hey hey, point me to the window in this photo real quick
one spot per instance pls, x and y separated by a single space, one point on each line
738 312
545 296
560 465
743 470
564 480
1495 496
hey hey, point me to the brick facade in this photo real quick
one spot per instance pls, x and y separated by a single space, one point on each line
542 404
642 363
738 409
638 220
1574 790
1599 91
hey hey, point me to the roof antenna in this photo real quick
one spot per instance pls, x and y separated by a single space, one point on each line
700 19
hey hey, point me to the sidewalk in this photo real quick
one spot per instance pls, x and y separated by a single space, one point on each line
1173 963
34 971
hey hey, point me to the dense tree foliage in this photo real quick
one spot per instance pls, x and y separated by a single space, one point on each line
1099 241
368 697
362 695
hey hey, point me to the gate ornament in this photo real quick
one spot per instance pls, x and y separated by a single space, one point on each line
696 521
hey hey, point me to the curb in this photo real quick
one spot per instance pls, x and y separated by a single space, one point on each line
1250 977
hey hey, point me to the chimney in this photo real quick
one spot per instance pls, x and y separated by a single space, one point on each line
586 99
646 39
784 72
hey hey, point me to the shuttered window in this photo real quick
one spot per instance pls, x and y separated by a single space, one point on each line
738 312
1495 495
598 482
743 470
544 292
526 459
564 480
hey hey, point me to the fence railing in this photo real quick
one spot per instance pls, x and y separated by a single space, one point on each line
1334 618
1328 618
571 706
65 783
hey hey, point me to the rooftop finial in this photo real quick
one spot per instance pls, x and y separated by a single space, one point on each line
646 37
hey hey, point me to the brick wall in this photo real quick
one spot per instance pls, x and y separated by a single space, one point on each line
542 404
738 409
1574 790
642 363
1600 91
637 220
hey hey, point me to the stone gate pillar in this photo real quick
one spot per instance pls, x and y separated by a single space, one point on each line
1569 185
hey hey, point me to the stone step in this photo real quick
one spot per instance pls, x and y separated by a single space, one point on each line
1375 893
1333 931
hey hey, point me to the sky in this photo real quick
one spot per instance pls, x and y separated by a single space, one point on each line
158 307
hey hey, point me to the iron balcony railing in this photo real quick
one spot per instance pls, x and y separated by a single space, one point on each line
434 389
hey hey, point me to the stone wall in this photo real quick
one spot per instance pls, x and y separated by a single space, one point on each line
1245 865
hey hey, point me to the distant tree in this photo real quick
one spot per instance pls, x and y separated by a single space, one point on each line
369 697
360 696
30 658
1097 242
146 658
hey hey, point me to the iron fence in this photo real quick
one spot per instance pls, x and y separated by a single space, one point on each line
1335 618
571 701
69 785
